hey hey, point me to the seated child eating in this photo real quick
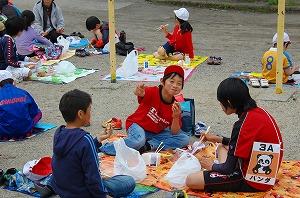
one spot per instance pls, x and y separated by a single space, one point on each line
9 59
100 31
269 61
254 125
75 161
18 111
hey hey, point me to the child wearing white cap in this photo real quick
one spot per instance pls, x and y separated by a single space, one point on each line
179 41
19 112
269 61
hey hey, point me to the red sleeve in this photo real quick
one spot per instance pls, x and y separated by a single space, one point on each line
10 51
246 138
149 91
172 37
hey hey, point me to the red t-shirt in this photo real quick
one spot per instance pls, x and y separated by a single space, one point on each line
153 114
182 42
256 125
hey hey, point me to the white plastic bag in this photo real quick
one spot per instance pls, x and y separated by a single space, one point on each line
65 67
185 165
106 46
63 42
129 65
128 161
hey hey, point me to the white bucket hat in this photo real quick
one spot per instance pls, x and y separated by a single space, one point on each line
286 38
5 75
182 14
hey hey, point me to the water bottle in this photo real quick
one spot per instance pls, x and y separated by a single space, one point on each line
187 59
146 64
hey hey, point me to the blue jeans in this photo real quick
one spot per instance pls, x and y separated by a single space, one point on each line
119 185
137 138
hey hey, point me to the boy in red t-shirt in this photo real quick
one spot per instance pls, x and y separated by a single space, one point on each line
234 153
158 117
180 41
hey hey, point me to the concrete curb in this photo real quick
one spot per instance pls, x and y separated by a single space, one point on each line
227 6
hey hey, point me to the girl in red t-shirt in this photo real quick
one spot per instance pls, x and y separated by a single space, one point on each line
180 41
158 116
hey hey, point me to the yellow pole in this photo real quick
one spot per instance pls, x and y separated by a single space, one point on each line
280 32
112 47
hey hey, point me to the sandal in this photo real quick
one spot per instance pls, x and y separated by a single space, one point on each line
254 82
116 123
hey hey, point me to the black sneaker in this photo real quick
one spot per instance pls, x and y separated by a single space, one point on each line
44 190
145 148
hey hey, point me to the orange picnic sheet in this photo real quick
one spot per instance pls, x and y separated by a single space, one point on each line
288 184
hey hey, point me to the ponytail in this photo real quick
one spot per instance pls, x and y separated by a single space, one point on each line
185 26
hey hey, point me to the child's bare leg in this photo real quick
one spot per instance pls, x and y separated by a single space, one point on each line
175 57
222 151
161 53
195 181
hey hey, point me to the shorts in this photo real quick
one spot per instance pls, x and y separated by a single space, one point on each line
18 73
169 48
217 182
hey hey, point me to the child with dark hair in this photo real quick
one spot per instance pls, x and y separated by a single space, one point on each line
18 111
180 41
9 59
158 116
269 61
9 9
100 31
234 154
29 36
75 162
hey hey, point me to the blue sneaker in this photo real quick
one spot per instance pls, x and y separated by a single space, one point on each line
200 127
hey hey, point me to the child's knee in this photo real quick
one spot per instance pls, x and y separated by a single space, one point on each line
161 51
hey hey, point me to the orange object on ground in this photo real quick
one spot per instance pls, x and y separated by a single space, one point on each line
287 185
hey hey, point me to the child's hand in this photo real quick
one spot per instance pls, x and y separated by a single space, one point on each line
34 59
176 110
140 90
164 28
108 130
107 133
211 138
44 34
60 30
31 65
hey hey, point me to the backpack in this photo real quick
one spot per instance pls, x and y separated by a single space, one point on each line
124 48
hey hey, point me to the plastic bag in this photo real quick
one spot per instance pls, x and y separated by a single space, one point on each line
38 169
63 42
129 65
128 161
106 46
185 165
65 67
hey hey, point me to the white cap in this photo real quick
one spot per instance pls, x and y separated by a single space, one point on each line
5 75
182 14
286 38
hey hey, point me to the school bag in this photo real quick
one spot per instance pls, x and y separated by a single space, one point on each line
124 48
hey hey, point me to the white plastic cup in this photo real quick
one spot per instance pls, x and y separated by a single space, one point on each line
151 159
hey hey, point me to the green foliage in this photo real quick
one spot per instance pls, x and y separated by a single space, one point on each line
273 2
